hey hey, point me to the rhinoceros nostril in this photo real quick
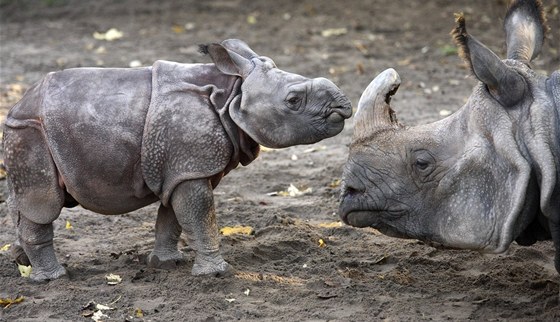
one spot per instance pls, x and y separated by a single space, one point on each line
351 191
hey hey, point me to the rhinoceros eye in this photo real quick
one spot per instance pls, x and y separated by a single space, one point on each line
422 164
293 101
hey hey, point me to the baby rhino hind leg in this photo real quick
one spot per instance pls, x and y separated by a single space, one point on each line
165 254
35 200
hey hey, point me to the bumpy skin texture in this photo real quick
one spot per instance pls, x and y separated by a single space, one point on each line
481 178
115 140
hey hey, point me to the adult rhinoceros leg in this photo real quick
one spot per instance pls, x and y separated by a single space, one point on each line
193 204
168 231
35 200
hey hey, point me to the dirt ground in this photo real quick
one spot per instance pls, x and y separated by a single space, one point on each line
300 264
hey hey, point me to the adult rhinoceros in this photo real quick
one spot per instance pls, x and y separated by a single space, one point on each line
115 140
481 178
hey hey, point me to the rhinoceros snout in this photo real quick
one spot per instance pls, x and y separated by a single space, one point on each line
338 106
340 109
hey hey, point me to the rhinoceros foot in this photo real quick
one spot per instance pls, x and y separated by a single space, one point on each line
210 265
168 260
41 276
37 275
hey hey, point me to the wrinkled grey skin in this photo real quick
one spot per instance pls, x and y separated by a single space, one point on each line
115 140
479 179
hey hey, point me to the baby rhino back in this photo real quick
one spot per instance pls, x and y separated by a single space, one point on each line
93 120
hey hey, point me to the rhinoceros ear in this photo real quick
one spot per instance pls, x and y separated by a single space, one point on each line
227 61
504 83
239 47
525 26
374 112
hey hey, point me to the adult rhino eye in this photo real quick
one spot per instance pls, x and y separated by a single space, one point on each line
422 164
293 100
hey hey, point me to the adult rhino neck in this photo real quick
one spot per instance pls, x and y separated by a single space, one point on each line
539 126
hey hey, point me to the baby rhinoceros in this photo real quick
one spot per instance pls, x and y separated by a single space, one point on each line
483 177
115 140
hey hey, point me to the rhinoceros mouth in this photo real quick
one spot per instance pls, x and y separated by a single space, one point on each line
336 117
372 218
360 218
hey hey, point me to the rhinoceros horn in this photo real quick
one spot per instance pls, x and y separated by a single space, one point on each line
374 112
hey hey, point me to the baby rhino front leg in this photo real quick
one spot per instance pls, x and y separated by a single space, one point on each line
193 204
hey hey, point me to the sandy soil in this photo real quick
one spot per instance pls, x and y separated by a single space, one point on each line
281 271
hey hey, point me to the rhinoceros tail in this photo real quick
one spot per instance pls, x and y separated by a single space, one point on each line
460 37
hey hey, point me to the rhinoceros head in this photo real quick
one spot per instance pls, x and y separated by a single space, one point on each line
478 179
277 108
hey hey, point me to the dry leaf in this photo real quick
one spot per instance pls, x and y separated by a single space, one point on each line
103 307
2 171
178 29
110 35
322 243
251 19
99 316
139 314
361 47
404 62
293 191
113 279
360 69
7 302
454 82
5 248
335 183
315 149
25 271
68 225
265 149
333 224
333 32
236 230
